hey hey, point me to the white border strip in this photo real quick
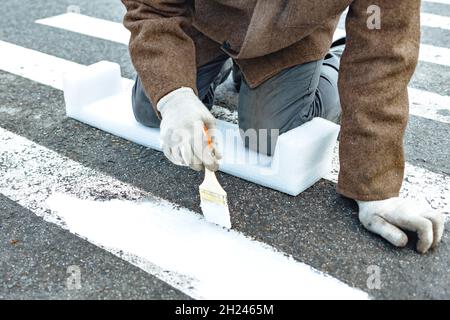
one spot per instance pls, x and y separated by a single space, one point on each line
176 245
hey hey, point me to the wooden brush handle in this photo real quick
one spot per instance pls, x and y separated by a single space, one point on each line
208 136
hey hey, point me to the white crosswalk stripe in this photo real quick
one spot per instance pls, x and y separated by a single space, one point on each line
90 26
432 54
35 65
435 21
429 105
176 245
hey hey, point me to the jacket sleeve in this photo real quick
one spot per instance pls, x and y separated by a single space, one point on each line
161 50
376 68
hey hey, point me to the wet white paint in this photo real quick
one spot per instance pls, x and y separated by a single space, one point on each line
176 245
216 213
222 264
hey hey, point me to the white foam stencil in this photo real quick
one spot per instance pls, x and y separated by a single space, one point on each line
98 96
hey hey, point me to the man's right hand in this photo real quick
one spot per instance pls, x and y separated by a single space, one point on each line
184 142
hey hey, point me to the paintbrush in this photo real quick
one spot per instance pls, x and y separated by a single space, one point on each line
213 199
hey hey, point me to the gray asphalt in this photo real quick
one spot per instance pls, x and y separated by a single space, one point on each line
36 255
318 227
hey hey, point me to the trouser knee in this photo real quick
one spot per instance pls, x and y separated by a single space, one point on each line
329 93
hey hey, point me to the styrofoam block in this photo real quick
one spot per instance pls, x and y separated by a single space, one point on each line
91 84
98 97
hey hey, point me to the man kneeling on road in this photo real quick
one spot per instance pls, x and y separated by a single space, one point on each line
181 50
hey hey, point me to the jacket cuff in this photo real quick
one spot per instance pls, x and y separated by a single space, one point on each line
162 103
156 95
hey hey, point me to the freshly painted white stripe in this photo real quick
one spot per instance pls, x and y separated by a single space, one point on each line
90 26
420 184
435 21
175 244
105 29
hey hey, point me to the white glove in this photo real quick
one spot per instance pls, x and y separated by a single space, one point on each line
387 217
184 142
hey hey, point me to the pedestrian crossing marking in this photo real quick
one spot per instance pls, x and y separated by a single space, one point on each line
174 244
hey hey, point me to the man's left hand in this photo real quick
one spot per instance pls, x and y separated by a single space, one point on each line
387 217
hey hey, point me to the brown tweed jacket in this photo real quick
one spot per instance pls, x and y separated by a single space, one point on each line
171 38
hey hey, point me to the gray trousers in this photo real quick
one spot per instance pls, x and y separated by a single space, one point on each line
287 100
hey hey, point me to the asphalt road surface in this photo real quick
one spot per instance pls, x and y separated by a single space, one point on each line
317 228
